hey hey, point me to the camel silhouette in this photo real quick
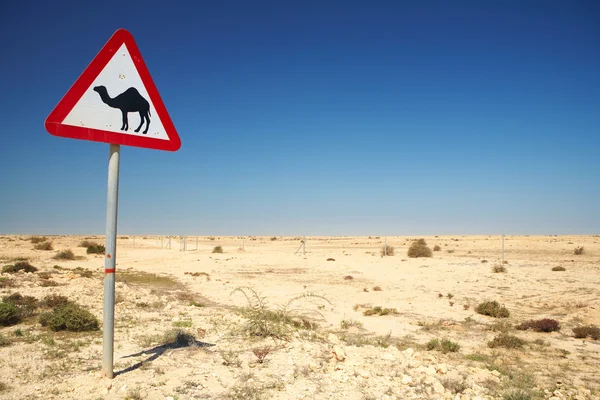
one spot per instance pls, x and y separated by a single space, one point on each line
129 101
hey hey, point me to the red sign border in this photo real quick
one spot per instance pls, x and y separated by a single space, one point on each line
54 121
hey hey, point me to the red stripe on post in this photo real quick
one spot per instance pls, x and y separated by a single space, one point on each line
109 271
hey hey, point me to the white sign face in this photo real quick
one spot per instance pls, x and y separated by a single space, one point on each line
117 101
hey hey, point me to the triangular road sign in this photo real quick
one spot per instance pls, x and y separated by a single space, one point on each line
115 101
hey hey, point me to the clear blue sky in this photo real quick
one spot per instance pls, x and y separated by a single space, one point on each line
316 118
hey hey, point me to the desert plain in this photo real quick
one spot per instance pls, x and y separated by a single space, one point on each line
271 318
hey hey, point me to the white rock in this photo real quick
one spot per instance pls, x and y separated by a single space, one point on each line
388 356
333 339
364 374
408 352
441 369
406 380
339 353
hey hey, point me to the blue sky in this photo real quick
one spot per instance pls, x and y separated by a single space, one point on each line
316 118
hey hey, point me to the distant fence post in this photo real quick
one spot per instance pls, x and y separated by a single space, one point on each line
502 249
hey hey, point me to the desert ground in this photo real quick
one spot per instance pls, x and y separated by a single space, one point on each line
269 319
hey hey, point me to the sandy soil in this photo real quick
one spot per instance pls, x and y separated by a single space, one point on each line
348 356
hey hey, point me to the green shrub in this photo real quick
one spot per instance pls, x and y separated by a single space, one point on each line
578 251
96 249
493 309
387 251
559 269
20 266
445 345
64 255
217 249
419 249
43 246
69 317
582 332
9 314
507 341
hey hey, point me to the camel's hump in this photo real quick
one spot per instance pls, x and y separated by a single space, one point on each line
132 90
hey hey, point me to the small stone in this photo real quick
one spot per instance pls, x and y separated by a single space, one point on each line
333 339
339 353
364 374
408 352
388 356
406 380
441 369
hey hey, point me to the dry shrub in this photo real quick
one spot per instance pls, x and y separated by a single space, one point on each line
582 332
499 269
96 249
38 239
493 309
6 282
559 269
387 251
54 300
26 304
262 352
377 310
377 289
540 325
43 246
218 249
419 249
507 341
437 248
65 255
19 266
87 243
348 278
578 251
331 259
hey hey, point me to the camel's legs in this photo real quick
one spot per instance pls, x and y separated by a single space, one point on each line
142 115
125 122
147 123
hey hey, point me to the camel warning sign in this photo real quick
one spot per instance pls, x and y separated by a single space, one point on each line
115 101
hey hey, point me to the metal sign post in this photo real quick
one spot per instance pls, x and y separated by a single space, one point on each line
112 202
117 82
